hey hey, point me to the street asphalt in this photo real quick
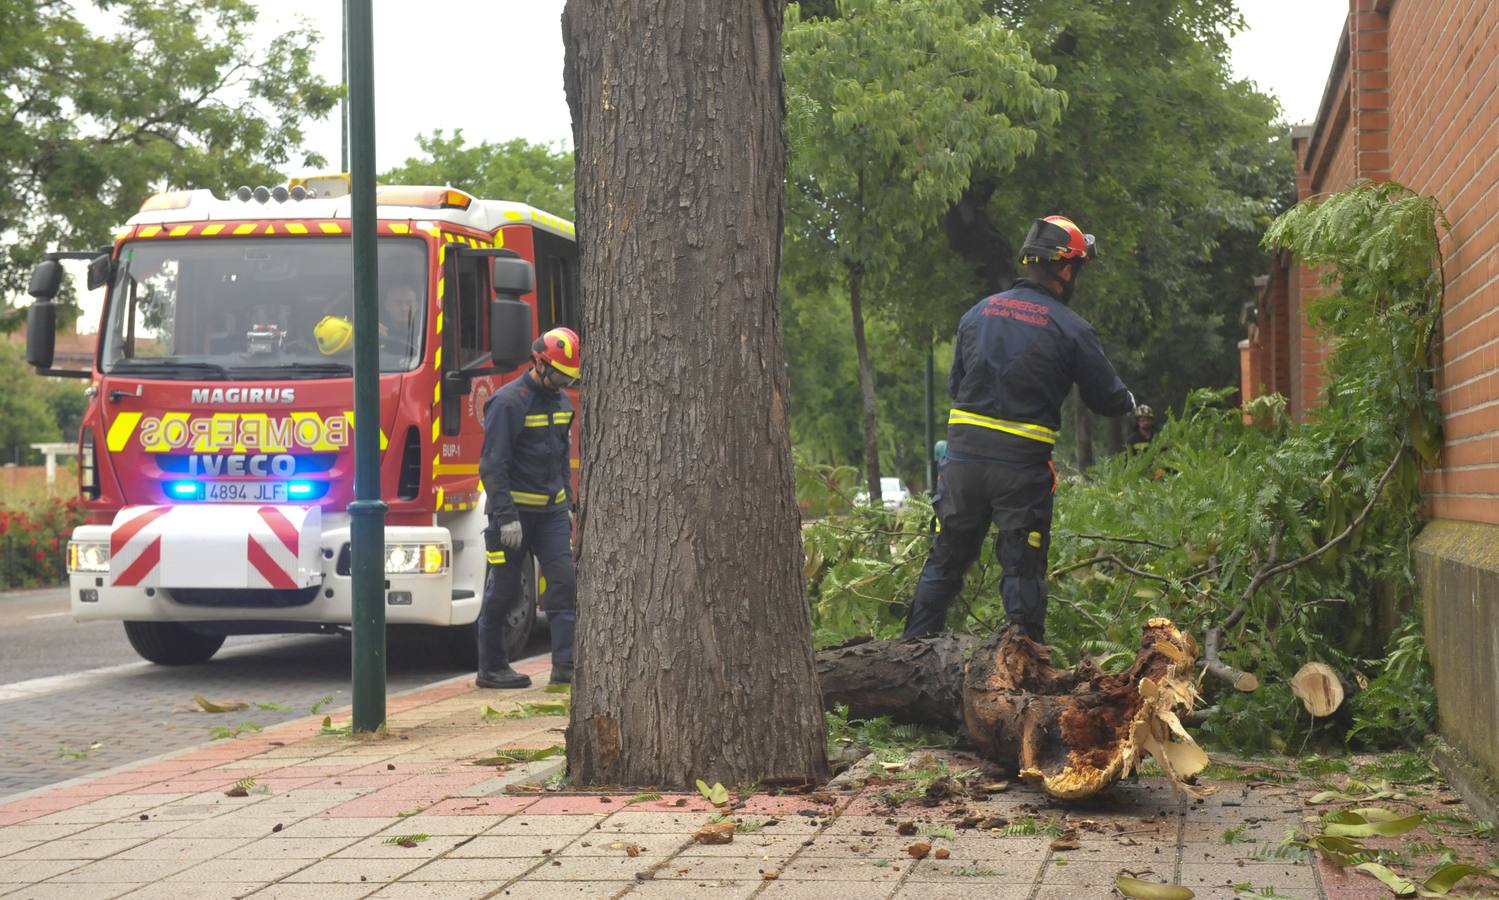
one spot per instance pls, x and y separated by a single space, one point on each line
75 699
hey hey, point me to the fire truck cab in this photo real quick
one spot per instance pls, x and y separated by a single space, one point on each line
216 454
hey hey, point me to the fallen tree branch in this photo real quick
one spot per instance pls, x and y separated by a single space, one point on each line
1072 731
1273 567
1083 564
1122 540
1239 679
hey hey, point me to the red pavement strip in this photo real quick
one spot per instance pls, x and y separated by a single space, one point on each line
189 771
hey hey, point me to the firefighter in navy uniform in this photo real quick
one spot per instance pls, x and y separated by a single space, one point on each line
526 474
1016 356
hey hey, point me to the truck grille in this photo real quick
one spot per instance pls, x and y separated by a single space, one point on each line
245 598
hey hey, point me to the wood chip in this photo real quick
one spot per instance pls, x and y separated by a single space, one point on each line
715 833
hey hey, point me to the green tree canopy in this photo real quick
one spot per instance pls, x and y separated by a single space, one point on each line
27 411
174 93
891 108
1177 166
538 174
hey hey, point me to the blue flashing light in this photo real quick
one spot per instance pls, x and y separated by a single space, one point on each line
300 490
183 490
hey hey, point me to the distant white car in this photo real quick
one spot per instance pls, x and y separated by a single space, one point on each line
893 495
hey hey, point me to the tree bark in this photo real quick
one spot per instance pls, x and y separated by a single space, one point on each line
694 651
866 387
1082 425
1113 435
1072 731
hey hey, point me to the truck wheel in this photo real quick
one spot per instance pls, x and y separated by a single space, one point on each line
520 620
172 643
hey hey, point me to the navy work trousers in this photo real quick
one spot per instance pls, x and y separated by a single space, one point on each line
546 535
1016 499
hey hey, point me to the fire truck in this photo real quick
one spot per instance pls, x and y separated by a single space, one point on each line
216 456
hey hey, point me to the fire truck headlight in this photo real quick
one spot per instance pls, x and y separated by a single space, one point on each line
88 556
416 559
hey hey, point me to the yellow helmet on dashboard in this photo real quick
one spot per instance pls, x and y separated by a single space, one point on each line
333 334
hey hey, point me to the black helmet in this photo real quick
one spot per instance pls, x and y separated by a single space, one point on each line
1057 239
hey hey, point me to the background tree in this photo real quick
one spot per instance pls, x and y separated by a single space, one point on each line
1174 164
27 412
893 106
538 174
172 96
694 641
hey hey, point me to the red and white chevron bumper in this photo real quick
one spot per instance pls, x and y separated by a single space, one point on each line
215 546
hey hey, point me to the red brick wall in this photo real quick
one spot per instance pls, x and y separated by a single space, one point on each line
1444 141
1413 96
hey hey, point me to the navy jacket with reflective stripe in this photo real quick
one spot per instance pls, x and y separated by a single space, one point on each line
1016 356
524 461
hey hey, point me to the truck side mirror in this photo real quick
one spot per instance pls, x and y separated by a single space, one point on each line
41 334
41 319
510 317
100 270
510 333
46 280
513 276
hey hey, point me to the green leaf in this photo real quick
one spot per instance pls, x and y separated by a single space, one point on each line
1401 886
718 795
1444 879
1150 890
221 706
1388 828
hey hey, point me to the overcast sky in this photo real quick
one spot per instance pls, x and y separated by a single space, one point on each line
494 67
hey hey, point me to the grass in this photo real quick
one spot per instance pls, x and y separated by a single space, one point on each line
530 710
512 757
222 732
642 798
1030 827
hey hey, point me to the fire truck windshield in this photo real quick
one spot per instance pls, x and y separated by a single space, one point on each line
257 308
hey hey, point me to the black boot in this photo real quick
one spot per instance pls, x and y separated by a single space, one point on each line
505 679
562 674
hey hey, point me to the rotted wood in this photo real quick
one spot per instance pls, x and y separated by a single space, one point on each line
1071 731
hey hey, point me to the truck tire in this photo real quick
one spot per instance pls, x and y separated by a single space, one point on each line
520 621
172 643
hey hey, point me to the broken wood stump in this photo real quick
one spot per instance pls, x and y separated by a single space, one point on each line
1072 731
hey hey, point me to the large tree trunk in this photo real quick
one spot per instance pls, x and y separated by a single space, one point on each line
866 387
1072 731
694 640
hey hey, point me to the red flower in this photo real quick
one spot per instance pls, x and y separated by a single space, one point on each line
41 556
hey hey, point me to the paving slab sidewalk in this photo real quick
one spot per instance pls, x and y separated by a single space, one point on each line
409 814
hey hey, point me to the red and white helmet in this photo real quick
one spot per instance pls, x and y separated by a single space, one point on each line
1056 239
559 349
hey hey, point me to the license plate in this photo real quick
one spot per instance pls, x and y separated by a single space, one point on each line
244 491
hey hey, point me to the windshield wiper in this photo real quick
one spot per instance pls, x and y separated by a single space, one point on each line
168 367
313 369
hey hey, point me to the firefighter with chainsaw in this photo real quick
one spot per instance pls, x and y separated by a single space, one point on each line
1016 355
524 467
